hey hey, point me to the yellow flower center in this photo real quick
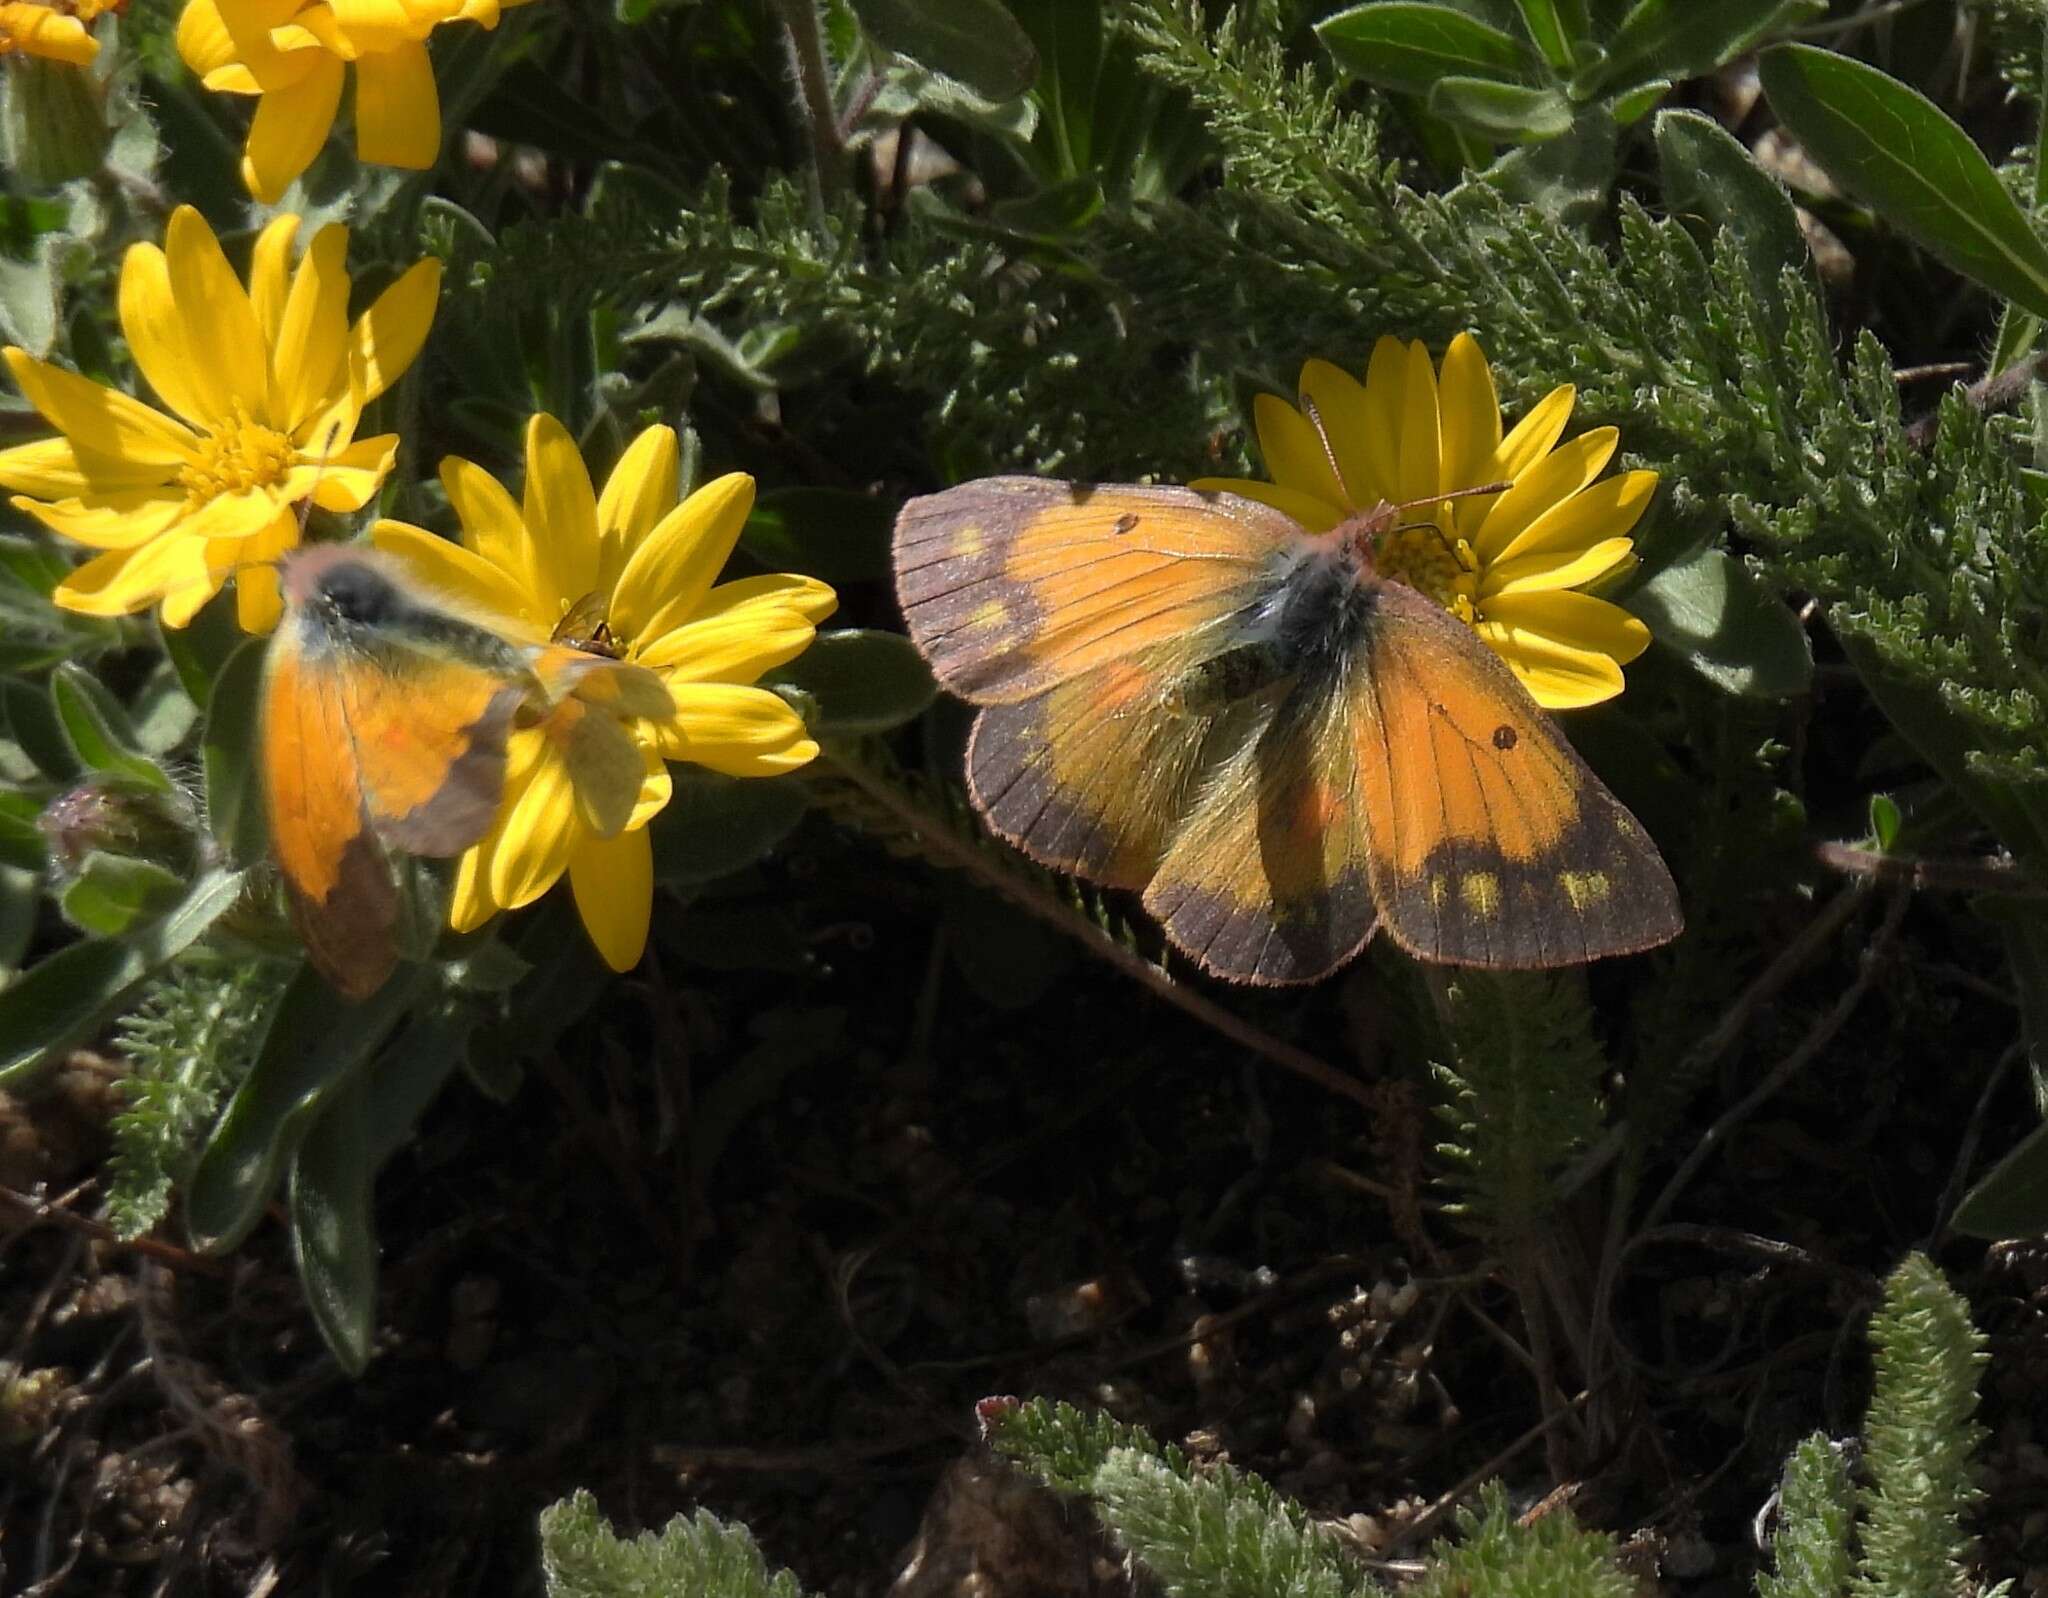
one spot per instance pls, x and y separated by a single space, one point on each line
1434 562
238 456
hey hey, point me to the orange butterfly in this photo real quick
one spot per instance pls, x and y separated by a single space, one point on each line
1188 693
384 719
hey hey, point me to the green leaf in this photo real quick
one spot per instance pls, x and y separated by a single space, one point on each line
714 825
1706 170
334 1244
826 533
1896 150
2012 1198
860 681
974 42
98 729
1685 39
1548 30
112 895
1729 629
66 997
21 841
234 789
1510 112
31 723
315 1040
21 904
198 650
1566 178
1884 822
1408 45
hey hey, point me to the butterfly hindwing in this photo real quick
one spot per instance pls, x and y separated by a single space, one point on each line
1493 844
1094 776
1267 879
1012 585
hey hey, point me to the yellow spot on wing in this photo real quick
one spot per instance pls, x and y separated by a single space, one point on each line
1439 890
1481 892
969 542
991 617
1584 888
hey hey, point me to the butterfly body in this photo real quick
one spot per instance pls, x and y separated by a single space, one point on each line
385 716
1284 749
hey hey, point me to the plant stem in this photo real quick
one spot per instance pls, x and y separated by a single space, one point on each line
813 82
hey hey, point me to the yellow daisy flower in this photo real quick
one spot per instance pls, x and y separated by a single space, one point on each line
1512 565
628 574
291 56
56 32
265 386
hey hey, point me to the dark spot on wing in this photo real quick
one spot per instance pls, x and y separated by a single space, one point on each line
1505 737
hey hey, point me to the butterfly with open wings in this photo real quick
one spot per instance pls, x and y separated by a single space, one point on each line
1190 694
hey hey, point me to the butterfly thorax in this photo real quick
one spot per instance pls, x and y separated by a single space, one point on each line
1311 611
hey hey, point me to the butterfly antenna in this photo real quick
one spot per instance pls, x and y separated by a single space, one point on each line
1313 412
1437 499
303 506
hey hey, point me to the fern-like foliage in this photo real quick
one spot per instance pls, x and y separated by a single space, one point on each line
693 1556
1815 1510
1065 1447
1220 1534
1551 1557
1523 1091
188 1043
1919 1437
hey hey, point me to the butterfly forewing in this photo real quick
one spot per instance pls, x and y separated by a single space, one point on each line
1492 843
1011 585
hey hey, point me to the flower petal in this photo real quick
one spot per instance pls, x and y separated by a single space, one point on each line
1608 509
223 349
447 568
1293 451
640 491
1549 483
313 331
398 113
1548 569
735 648
290 126
494 530
53 468
1421 432
1533 436
743 732
1339 400
613 881
124 519
671 571
42 30
345 480
1470 409
103 421
258 600
124 581
536 833
389 334
560 509
806 596
155 329
270 274
1386 400
1304 510
1574 643
203 40
469 902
